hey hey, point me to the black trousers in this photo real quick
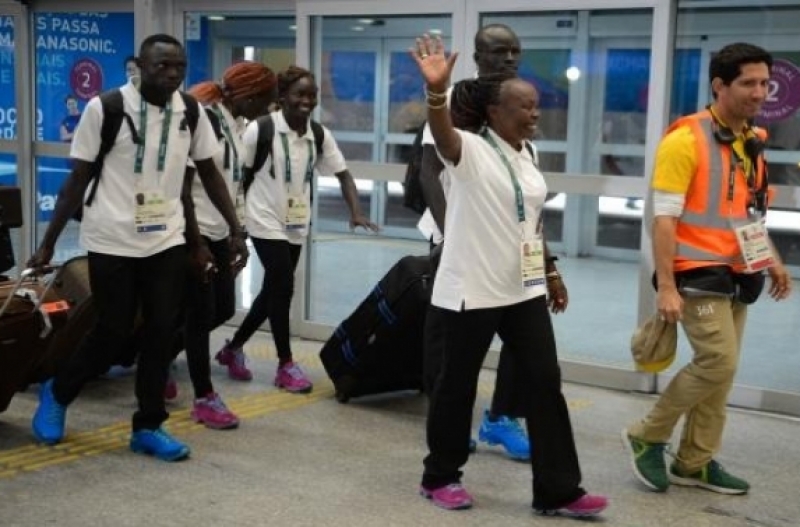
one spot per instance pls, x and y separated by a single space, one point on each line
120 286
527 335
508 398
208 306
279 259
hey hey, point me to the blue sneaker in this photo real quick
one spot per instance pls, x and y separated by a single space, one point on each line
48 421
158 443
507 432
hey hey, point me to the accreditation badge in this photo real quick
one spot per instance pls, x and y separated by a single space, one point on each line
297 212
754 245
531 249
240 206
151 211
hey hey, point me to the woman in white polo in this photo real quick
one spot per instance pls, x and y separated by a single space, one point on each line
278 212
491 279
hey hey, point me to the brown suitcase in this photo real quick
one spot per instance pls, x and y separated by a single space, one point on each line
29 317
71 283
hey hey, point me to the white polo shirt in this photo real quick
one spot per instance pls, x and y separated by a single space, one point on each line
108 224
481 261
427 225
266 203
211 223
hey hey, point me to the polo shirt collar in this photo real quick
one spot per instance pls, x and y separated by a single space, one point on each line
282 126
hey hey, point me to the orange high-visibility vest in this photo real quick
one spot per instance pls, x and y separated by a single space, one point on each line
704 234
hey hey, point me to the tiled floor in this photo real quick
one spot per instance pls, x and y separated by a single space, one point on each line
307 460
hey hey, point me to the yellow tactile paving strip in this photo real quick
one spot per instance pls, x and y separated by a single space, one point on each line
91 443
94 442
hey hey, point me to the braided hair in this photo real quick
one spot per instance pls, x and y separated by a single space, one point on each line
470 99
288 77
240 81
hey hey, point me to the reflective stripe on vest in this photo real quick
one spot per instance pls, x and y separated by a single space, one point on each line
704 233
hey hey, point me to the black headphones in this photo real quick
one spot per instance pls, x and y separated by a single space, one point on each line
753 145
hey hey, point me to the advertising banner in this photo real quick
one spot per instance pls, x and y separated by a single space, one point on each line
78 56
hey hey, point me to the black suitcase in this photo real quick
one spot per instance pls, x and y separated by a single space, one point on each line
378 348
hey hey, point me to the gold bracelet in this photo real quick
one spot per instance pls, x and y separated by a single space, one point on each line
437 106
553 275
432 95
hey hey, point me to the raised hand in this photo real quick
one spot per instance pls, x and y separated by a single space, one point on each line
434 65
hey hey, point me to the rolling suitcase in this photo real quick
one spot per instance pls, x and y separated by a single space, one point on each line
378 348
71 283
30 314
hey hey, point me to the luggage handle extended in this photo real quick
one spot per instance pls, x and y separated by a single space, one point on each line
27 274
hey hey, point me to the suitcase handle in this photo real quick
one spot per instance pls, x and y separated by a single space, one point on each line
28 274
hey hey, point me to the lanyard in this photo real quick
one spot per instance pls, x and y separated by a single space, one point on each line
514 180
162 147
757 199
226 130
288 160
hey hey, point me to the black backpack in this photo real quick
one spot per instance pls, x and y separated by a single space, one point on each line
113 115
266 133
412 186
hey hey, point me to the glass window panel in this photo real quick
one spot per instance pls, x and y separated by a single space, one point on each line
214 41
371 97
545 69
347 90
50 175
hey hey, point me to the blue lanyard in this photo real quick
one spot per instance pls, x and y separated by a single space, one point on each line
226 130
162 147
288 160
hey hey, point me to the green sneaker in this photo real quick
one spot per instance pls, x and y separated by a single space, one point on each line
711 477
647 460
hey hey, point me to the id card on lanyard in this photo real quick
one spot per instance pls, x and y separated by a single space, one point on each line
151 206
531 245
298 211
751 233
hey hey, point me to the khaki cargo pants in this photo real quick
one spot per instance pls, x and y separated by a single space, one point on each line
714 326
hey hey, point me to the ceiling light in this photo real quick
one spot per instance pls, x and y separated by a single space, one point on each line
435 31
293 27
366 21
215 18
357 28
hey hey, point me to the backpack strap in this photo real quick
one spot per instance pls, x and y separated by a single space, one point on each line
192 111
113 114
266 133
319 136
217 126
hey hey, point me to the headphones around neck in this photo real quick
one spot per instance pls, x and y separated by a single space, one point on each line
753 145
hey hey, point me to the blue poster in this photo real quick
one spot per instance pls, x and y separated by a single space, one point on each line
78 56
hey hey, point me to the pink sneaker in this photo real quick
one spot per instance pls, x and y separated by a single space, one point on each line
451 497
235 360
292 379
586 505
213 413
